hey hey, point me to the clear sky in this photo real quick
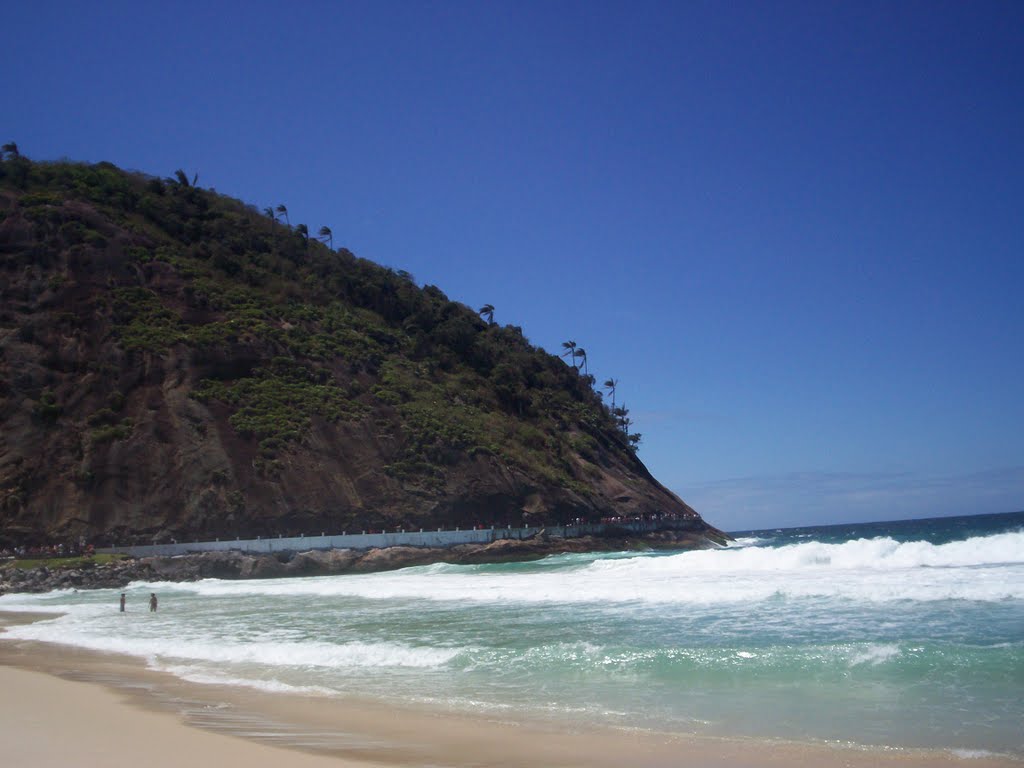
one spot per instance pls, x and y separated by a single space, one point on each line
794 231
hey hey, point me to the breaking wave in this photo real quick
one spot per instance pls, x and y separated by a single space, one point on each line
309 654
879 569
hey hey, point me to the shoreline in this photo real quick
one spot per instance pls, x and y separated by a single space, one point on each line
239 564
52 688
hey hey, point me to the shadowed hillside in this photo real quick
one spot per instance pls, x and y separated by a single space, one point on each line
177 364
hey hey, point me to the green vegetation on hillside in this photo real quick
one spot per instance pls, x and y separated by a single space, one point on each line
290 332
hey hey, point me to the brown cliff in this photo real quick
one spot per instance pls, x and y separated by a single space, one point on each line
175 365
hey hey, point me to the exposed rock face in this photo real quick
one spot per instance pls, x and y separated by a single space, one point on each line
236 565
173 366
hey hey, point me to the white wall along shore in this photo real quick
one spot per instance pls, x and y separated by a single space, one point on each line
421 538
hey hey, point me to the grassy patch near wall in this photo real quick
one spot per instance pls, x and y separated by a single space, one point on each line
60 563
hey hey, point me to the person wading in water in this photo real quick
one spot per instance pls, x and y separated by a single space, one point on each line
152 602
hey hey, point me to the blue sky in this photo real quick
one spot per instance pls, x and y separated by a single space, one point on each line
793 231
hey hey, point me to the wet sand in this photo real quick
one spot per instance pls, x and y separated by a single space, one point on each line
64 706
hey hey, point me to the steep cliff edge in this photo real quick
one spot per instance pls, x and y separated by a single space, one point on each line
175 364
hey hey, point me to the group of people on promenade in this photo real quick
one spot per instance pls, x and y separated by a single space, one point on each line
152 602
48 550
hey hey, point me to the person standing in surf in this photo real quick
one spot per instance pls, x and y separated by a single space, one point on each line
152 602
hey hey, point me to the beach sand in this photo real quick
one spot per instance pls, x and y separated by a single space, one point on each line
64 706
46 721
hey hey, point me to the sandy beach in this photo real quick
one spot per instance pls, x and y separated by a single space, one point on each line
62 706
48 718
47 721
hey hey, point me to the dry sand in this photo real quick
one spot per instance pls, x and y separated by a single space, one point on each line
46 721
62 706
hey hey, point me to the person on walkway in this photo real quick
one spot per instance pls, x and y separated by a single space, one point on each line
152 602
122 602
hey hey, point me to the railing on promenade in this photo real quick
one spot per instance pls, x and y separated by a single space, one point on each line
401 538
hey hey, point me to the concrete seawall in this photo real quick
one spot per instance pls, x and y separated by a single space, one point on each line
438 538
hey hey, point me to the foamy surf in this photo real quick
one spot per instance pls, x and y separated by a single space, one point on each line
880 569
789 636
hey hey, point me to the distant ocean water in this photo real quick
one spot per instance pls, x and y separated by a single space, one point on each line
901 634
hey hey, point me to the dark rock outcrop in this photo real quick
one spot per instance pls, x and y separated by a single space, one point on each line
238 565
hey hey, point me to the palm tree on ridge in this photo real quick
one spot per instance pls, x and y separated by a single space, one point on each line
582 355
622 416
570 352
610 385
487 310
325 233
283 210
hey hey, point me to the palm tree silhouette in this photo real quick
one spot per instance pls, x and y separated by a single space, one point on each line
10 148
488 311
303 231
582 355
622 416
610 385
570 351
283 210
325 232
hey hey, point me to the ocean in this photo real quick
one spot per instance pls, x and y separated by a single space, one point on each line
894 635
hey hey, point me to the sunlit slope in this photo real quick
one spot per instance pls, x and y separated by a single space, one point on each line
176 364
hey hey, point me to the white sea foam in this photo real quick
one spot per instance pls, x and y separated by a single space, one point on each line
987 568
195 674
12 603
875 654
875 554
748 541
973 754
210 648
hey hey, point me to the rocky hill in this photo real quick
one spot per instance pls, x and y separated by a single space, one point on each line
177 364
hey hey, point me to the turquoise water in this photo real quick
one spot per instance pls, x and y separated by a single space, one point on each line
906 634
